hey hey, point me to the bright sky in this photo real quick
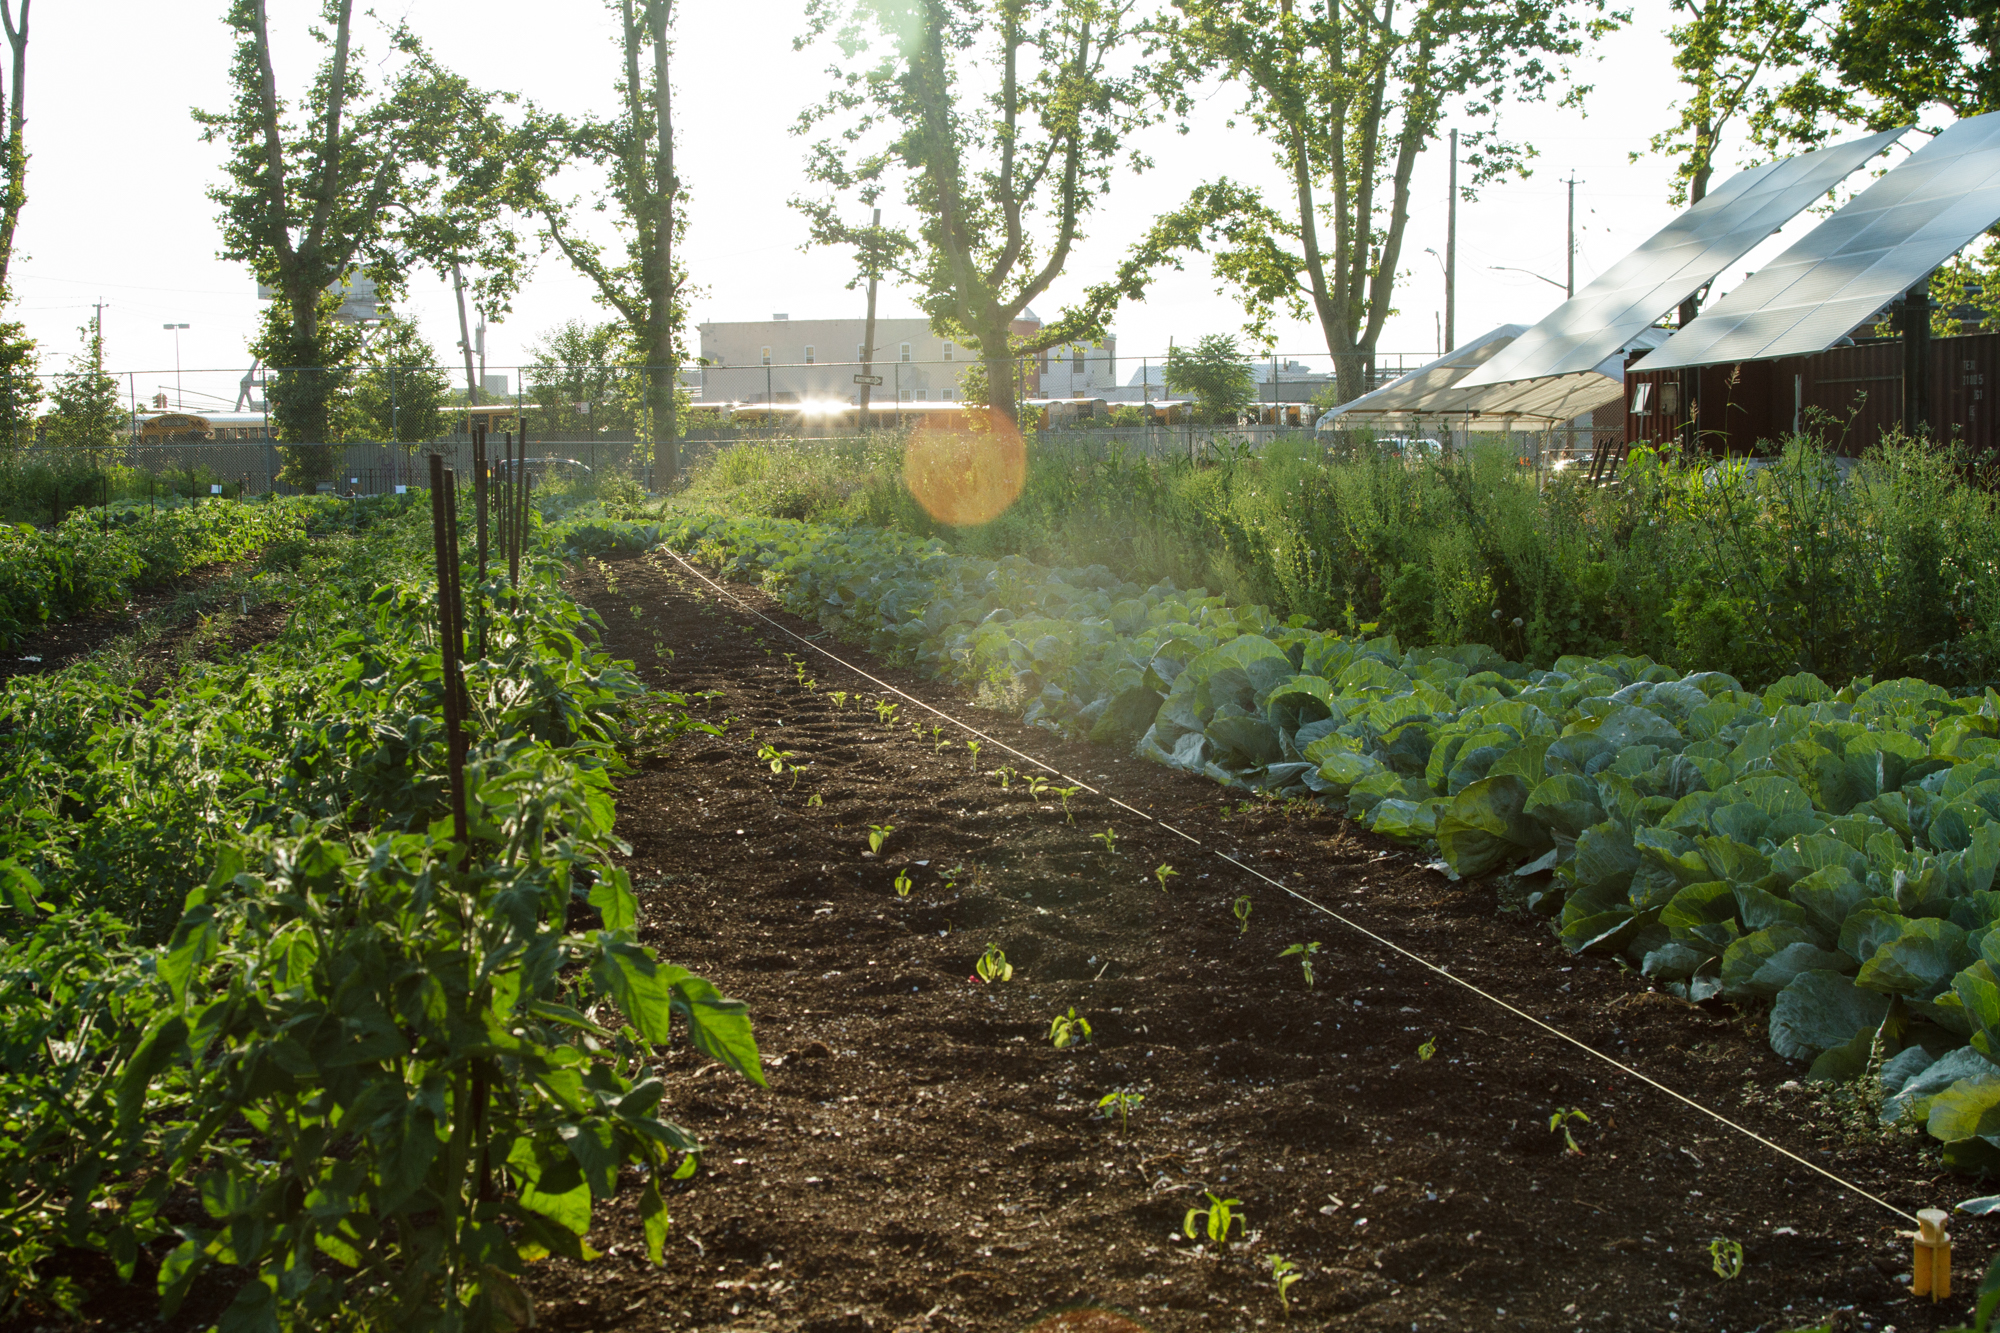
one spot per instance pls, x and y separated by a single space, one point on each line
117 208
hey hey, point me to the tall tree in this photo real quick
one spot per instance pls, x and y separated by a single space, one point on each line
14 194
400 394
580 376
85 409
1730 56
1350 92
648 288
310 200
1002 171
1213 372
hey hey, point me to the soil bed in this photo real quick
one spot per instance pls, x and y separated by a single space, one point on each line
925 1159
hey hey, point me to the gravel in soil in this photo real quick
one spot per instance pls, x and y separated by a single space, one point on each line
925 1158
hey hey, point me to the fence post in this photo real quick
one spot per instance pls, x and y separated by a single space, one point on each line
443 538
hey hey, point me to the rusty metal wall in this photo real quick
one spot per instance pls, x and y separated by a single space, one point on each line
1846 397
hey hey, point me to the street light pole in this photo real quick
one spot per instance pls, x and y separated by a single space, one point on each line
179 398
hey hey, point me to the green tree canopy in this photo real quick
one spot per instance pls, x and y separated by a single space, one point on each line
86 411
581 379
1003 123
1213 374
401 392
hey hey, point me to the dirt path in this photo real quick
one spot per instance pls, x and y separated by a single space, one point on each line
925 1158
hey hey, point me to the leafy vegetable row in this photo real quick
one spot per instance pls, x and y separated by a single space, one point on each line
84 565
1831 851
380 1059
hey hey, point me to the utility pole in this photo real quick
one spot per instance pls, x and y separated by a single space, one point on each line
868 328
1569 283
464 342
1451 253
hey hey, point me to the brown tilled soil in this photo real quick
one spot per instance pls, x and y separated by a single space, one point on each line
188 613
924 1158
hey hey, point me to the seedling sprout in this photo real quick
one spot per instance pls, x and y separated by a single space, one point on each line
1164 872
1726 1257
1110 840
877 835
1241 909
1124 1101
1559 1123
1283 1274
1428 1049
1070 1029
903 884
1066 793
993 965
1217 1218
1304 953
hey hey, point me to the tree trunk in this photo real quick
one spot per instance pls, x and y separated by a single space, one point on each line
663 353
998 359
464 339
16 151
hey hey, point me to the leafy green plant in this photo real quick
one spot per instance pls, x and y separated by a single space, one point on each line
1241 910
993 965
1164 872
973 746
1065 793
779 761
839 698
903 884
814 801
1216 1219
885 712
1559 1123
1305 953
1428 1049
1110 840
1725 1256
1284 1273
878 834
1070 1029
1124 1102
1006 776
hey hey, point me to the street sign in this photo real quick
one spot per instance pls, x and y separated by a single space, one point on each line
867 379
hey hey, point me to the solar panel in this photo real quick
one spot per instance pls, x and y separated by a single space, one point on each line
1672 266
1841 274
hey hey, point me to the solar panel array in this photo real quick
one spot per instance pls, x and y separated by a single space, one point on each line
1675 262
1881 243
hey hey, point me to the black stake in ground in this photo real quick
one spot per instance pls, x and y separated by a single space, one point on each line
450 637
517 475
479 483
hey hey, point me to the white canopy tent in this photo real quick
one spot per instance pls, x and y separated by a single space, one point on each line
1432 393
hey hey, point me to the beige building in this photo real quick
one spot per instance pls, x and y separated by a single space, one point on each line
786 360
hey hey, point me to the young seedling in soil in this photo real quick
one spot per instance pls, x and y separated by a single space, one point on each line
944 744
877 835
993 966
903 884
1124 1101
1428 1049
1110 840
1726 1257
1559 1123
1241 909
779 760
1164 872
1217 1218
839 698
885 712
1283 1274
1304 953
974 747
1006 776
1066 793
1037 784
1070 1029
814 801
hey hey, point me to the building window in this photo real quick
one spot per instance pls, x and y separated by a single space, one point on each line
767 356
923 395
948 350
1076 361
948 395
906 351
1076 393
809 353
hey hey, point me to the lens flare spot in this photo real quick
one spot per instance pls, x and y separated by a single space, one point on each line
966 477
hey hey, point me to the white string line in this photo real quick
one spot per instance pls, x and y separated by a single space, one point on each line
1354 926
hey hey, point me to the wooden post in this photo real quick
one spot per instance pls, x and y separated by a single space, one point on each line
450 636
